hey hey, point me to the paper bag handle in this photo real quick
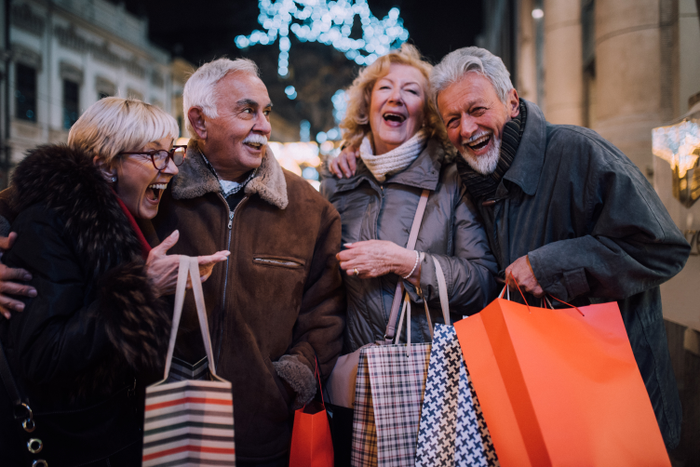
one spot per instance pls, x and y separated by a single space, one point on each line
412 238
189 266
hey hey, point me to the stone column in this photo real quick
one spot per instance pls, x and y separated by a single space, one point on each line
634 89
563 61
527 54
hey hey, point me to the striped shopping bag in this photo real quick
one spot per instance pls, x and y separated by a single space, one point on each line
189 422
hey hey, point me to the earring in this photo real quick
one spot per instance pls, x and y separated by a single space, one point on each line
113 179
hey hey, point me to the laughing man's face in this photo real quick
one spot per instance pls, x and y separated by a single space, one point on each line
474 117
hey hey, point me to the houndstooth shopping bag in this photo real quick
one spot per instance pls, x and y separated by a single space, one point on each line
452 428
189 422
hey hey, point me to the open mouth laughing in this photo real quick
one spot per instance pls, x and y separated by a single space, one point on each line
393 117
479 141
155 190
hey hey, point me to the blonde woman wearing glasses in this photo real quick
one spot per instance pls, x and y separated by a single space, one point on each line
93 335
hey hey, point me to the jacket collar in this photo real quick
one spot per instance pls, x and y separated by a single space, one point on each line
529 158
196 179
423 173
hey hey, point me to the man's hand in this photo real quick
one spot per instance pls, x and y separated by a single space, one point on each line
162 268
522 273
345 164
8 304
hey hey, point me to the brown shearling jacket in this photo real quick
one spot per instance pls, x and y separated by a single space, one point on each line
278 300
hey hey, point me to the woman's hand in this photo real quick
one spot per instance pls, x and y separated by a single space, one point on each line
346 163
162 269
374 258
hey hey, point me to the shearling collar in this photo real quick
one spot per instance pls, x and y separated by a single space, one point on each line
195 179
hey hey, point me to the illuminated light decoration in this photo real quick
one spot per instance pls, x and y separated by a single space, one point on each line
537 13
321 137
291 92
328 23
340 105
305 131
679 145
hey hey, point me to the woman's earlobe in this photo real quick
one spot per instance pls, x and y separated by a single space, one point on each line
109 174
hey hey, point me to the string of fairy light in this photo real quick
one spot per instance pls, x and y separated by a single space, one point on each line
330 23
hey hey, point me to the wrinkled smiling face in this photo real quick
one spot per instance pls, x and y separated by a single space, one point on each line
474 117
139 184
396 107
236 138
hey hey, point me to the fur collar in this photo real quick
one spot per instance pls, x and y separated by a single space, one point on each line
196 179
67 181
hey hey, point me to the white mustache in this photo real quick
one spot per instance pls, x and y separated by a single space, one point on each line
255 138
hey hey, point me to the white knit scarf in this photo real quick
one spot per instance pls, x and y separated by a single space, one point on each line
393 161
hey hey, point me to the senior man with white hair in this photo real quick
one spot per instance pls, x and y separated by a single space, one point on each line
566 212
278 304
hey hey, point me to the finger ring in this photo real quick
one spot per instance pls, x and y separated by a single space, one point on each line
357 273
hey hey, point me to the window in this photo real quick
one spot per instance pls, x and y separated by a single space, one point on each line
104 88
25 92
71 107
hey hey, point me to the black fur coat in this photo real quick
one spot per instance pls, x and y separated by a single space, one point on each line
95 323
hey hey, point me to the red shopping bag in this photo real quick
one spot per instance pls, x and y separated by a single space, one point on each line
560 387
312 445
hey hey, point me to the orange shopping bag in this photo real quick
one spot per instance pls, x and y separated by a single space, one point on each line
312 445
560 387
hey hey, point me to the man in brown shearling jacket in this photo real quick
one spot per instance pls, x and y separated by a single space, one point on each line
278 303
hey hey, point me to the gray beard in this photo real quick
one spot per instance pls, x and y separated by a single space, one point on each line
485 164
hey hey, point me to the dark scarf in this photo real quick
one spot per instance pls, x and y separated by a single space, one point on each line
482 187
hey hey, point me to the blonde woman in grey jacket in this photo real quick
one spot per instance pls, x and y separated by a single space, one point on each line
401 141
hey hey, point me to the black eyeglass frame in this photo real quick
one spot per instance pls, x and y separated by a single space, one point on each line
152 154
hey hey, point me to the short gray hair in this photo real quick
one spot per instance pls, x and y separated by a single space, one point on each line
200 89
455 65
113 125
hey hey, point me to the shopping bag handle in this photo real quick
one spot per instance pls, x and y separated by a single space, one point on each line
519 290
444 299
190 266
398 293
544 299
560 301
405 310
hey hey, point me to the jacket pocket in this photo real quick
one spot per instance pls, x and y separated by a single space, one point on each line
278 261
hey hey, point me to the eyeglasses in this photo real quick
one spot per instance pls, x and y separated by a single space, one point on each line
160 158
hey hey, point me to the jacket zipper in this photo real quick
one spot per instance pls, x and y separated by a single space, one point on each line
231 214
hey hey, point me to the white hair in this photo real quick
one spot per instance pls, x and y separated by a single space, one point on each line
455 65
113 125
200 89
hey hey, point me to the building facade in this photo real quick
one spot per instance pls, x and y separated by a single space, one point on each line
61 56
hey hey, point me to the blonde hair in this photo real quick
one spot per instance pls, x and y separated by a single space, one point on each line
113 125
200 89
355 125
